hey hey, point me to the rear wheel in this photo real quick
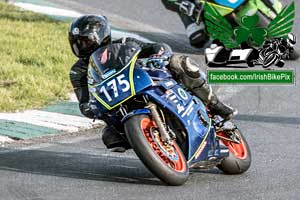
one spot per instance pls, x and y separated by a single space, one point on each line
167 162
239 159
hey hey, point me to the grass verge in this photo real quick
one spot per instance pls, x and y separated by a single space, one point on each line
35 59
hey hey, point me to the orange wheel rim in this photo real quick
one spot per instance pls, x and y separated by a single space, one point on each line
170 155
239 150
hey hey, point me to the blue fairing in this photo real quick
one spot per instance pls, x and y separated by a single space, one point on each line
230 3
140 80
187 108
160 88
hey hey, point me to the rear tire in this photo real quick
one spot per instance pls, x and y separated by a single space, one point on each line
168 165
239 159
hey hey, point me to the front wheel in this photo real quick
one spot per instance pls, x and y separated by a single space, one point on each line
167 162
239 159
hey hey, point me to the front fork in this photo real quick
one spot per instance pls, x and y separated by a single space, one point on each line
160 124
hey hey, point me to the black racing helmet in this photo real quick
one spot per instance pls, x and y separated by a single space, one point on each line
88 33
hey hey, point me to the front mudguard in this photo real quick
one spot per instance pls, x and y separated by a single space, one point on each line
142 111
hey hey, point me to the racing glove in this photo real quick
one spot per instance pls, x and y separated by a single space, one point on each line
86 110
156 62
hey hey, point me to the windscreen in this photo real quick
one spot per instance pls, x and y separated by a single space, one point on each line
112 57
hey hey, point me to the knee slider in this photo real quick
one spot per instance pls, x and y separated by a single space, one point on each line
175 66
187 71
190 67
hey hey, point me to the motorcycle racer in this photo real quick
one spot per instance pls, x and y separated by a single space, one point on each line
90 32
191 11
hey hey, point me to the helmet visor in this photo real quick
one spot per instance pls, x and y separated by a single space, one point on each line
84 46
85 43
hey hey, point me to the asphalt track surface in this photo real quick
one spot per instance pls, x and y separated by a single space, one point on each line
79 166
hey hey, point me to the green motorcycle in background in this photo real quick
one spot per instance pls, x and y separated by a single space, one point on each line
244 24
239 8
236 9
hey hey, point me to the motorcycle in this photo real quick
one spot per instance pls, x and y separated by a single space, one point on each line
169 128
268 57
275 51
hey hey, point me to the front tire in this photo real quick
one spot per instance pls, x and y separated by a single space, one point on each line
166 162
239 159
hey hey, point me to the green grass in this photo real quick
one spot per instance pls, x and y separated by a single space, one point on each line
35 59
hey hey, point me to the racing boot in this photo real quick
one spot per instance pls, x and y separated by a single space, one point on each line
113 139
187 71
216 107
86 110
